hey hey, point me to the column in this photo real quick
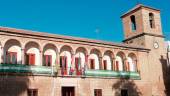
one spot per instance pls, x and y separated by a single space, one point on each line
41 62
100 63
72 69
124 64
22 56
86 66
113 64
59 67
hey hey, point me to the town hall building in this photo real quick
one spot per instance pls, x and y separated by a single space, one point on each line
41 64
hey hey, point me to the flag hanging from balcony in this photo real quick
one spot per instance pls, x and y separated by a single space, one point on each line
71 70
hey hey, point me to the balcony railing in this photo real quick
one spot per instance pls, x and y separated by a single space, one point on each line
109 73
44 70
18 68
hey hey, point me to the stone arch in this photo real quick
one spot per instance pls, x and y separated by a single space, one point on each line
32 53
120 61
81 55
95 59
107 60
132 62
12 51
49 55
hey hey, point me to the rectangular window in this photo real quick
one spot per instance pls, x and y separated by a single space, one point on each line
12 57
47 60
124 92
32 92
63 64
30 59
97 92
92 64
105 64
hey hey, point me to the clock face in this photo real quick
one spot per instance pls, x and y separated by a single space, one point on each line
156 45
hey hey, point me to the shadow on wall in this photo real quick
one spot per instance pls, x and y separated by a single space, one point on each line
14 84
166 74
126 87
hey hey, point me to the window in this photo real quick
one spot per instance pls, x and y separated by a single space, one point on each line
63 64
32 92
12 57
30 59
47 60
124 92
97 92
92 64
105 64
133 23
151 20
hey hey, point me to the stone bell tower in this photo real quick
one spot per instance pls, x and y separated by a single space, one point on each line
142 26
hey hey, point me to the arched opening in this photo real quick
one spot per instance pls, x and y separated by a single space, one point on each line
66 59
151 20
94 59
133 22
107 60
49 55
12 52
119 63
32 54
132 62
80 60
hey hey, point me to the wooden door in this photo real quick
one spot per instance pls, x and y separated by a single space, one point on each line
31 59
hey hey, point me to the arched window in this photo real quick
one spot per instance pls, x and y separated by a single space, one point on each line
133 22
151 20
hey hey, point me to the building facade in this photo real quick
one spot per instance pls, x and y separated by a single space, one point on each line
41 64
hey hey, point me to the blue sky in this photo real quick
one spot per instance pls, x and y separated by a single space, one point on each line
78 18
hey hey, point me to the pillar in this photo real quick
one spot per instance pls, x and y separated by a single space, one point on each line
22 56
100 63
113 64
41 59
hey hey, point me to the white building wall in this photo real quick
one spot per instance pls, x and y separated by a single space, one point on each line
96 58
131 64
16 49
82 56
53 54
37 54
68 55
120 60
108 59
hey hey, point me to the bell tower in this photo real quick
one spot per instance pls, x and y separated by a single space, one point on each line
142 27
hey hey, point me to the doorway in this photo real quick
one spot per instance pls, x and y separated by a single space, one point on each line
68 91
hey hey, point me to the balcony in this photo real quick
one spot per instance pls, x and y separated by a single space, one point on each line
108 73
32 70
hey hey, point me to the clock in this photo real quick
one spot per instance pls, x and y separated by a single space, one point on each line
156 45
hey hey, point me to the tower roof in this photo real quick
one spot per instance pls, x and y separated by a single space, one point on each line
137 7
